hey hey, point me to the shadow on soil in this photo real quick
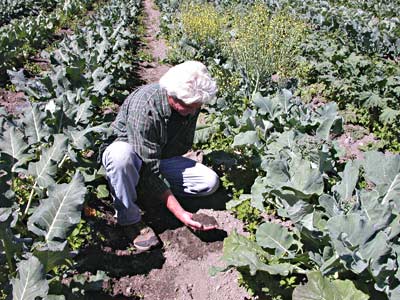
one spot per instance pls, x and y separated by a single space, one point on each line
112 252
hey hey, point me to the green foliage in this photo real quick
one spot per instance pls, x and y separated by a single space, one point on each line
258 43
250 216
31 282
389 133
55 216
41 149
320 287
18 8
263 283
343 217
22 38
80 236
262 44
202 23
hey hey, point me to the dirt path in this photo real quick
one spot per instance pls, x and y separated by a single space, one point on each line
180 270
152 71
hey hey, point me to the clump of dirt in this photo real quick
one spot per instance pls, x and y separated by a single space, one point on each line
205 220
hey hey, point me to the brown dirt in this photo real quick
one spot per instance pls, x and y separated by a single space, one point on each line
14 103
180 268
206 220
152 71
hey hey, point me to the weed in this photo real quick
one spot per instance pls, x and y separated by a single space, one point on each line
80 236
263 44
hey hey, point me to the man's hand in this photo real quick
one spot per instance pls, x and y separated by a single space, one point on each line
182 215
186 218
196 156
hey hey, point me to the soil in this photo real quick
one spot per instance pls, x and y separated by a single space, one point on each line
152 71
13 102
205 220
179 269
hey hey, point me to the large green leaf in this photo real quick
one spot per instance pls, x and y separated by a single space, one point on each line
84 113
12 143
8 243
298 177
329 204
203 133
327 116
240 251
81 138
275 236
381 170
321 288
275 106
35 127
378 213
393 193
258 190
384 172
356 228
45 169
246 138
56 215
349 235
264 104
299 211
64 114
389 115
101 80
30 282
375 251
51 259
349 180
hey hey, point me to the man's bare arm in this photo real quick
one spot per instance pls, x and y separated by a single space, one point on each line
182 215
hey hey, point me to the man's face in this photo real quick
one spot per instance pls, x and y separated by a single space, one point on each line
182 108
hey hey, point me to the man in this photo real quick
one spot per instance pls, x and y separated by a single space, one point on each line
154 128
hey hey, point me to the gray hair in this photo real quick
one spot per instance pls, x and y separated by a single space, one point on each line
190 82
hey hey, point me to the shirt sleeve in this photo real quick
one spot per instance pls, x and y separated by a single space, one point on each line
144 133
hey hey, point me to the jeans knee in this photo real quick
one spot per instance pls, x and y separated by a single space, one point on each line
207 184
120 155
212 182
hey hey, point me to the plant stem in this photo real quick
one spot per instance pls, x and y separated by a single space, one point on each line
29 200
62 161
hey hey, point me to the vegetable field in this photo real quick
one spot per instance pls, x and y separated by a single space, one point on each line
304 134
48 161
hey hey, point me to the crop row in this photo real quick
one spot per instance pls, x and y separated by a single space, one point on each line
369 29
10 9
24 37
48 153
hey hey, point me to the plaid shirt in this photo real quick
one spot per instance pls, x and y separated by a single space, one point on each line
147 122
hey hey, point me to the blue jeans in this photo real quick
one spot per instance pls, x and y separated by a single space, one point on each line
122 164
